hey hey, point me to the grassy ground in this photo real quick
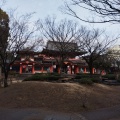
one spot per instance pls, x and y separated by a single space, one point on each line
65 97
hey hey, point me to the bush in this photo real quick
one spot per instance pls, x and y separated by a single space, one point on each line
82 75
43 77
118 80
109 76
36 78
13 73
94 76
54 74
95 79
78 77
52 78
87 81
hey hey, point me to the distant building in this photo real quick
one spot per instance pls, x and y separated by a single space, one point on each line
45 61
35 62
59 46
63 52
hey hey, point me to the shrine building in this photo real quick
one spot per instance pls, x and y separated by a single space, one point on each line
47 60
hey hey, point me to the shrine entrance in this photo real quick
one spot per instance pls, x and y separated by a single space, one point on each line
27 69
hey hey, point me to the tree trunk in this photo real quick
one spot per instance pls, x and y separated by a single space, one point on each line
6 72
61 65
90 68
5 83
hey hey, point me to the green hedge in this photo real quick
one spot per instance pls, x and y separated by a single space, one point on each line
53 74
43 77
36 78
79 76
109 76
118 80
96 80
87 81
56 74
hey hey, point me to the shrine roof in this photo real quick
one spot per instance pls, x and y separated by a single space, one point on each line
56 52
29 52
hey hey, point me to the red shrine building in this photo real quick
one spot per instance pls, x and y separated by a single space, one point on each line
34 62
46 61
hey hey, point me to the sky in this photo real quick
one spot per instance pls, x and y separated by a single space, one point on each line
43 8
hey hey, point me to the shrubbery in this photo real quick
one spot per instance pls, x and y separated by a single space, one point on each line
80 78
118 80
85 75
13 73
94 78
82 75
43 77
87 81
109 76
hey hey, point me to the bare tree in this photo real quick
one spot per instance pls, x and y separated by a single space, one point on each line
114 55
63 37
95 43
20 36
104 63
104 10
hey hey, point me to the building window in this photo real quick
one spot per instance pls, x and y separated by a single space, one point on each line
45 68
37 67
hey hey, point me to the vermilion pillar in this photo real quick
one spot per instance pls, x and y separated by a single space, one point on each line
33 70
59 70
93 71
84 70
20 68
51 69
70 69
76 69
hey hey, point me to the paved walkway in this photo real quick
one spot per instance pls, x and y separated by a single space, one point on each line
37 114
112 113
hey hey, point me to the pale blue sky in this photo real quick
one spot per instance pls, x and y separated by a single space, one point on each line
43 8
